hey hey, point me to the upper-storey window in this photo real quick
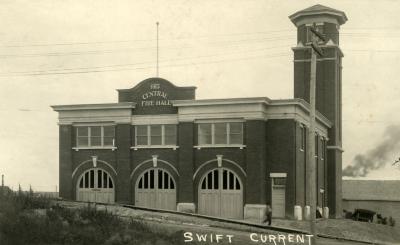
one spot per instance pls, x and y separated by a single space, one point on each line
95 136
303 137
224 133
323 142
155 135
316 145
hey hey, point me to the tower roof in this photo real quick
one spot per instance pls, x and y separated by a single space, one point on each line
317 11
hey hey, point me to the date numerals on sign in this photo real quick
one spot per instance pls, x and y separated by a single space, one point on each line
155 86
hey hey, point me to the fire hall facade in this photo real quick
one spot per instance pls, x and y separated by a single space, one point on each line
159 147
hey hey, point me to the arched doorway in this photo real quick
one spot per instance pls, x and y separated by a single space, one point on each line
155 188
95 185
221 194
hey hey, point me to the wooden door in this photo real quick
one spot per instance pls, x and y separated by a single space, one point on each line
221 194
95 185
278 197
156 188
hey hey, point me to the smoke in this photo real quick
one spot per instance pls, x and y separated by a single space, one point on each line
375 158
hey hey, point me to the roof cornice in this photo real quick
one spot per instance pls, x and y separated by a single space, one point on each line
319 10
229 101
106 106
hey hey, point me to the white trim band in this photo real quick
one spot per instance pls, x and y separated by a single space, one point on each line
278 175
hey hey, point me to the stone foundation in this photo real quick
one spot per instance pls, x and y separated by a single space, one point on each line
186 207
255 212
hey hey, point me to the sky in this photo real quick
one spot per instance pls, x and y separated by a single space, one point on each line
55 52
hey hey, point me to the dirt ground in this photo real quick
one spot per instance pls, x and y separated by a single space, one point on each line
332 230
349 229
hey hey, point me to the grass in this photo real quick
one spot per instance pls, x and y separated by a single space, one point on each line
28 219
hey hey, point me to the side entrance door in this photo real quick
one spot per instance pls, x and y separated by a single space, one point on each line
156 188
278 197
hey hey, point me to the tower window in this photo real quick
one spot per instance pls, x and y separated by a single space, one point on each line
309 35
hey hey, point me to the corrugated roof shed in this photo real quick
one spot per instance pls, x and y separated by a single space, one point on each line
385 190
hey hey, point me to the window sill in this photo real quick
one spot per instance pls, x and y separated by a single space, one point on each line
113 148
174 147
198 147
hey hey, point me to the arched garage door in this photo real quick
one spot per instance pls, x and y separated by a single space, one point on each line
221 194
95 185
156 188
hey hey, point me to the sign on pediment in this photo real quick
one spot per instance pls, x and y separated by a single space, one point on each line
154 96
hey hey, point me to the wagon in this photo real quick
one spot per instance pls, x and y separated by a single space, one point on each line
363 215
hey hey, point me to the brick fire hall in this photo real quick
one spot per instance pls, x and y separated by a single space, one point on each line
160 147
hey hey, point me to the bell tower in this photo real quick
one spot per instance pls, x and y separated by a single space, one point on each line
328 85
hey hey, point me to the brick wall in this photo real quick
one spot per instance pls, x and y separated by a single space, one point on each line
65 162
256 162
123 143
186 162
281 157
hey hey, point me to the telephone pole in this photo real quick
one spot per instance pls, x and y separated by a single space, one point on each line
157 71
315 49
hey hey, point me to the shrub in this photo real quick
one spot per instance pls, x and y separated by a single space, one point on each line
21 223
22 201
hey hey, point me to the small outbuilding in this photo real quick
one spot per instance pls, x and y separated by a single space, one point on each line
380 196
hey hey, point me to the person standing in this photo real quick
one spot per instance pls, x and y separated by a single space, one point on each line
268 215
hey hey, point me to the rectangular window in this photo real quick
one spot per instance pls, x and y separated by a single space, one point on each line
230 133
205 135
82 136
108 135
236 133
220 134
170 134
141 135
316 143
95 136
156 135
279 181
323 141
303 137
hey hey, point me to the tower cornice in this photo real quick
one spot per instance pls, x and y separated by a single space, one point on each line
318 13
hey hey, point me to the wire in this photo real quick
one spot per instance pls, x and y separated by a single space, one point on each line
148 67
189 37
216 43
91 52
147 62
144 40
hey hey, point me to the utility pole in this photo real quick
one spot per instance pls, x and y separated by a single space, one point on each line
157 71
2 185
311 135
